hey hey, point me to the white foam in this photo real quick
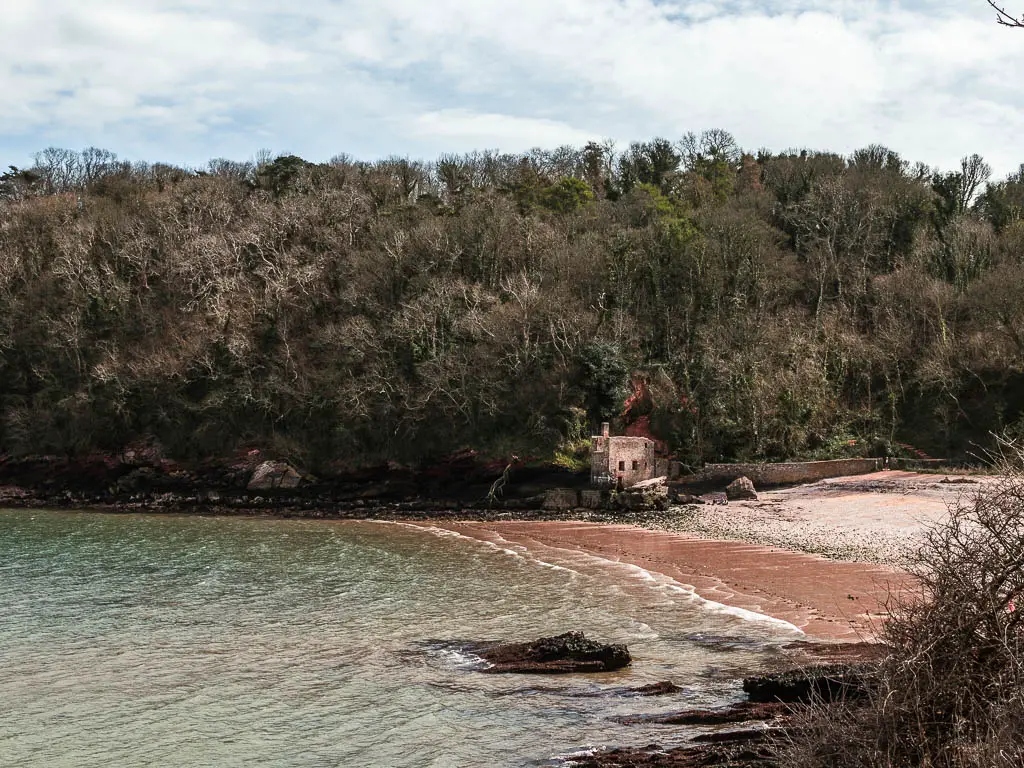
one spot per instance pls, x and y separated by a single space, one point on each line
659 581
462 659
643 631
519 552
668 584
570 759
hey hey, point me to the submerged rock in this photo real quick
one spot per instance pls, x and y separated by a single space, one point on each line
740 489
776 700
571 652
663 688
743 712
737 755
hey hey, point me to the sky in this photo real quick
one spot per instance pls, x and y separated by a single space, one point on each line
183 81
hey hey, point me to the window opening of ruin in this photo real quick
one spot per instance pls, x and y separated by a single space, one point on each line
622 466
636 465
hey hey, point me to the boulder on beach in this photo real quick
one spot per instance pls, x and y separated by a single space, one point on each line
571 652
654 491
274 474
741 489
681 497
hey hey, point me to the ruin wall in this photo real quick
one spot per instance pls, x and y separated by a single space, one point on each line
785 473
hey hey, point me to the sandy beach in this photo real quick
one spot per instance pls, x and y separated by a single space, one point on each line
825 557
874 518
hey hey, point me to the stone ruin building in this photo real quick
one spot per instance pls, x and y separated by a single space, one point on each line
622 462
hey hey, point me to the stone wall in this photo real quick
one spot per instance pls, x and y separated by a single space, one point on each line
630 460
786 473
561 498
599 459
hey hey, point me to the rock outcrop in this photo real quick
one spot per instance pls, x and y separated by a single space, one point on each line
571 652
833 682
741 489
774 703
274 474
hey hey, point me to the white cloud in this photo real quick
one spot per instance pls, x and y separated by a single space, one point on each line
471 129
188 79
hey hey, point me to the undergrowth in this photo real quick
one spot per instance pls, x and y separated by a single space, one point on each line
950 692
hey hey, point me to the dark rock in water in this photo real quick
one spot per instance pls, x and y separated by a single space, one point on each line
656 689
731 737
594 691
833 682
771 699
704 756
738 713
741 489
571 652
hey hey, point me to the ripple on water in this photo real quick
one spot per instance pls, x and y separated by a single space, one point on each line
135 640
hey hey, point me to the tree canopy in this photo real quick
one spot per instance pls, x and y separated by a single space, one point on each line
772 305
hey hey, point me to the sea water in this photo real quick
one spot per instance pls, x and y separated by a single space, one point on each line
135 640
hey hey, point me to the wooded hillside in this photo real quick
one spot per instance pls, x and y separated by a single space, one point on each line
800 304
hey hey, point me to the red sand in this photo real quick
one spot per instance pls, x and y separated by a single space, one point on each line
827 599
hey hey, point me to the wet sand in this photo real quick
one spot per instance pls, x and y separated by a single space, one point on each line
827 599
824 556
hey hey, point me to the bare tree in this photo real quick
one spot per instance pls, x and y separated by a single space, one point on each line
974 173
1005 18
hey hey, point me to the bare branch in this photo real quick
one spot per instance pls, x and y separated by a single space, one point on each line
1004 18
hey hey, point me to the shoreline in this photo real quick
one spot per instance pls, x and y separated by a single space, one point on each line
821 556
827 600
814 563
581 541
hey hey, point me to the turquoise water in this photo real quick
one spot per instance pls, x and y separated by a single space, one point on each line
189 641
